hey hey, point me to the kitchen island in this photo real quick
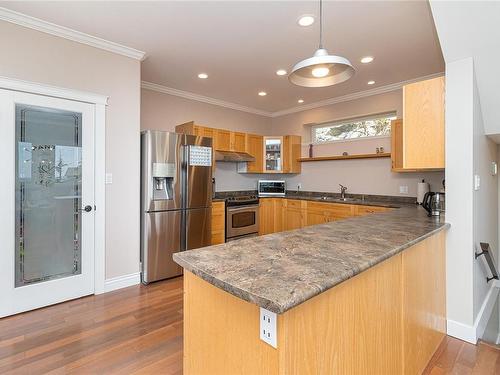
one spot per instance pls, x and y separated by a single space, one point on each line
364 295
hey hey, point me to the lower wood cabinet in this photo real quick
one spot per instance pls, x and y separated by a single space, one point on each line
279 214
270 215
293 214
218 222
366 210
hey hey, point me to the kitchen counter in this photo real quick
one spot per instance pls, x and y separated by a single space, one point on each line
282 270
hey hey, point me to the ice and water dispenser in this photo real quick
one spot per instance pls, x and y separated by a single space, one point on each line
163 181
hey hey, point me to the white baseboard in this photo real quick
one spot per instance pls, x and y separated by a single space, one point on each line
486 310
471 333
121 282
461 331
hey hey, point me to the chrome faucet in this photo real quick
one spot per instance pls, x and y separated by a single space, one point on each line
342 191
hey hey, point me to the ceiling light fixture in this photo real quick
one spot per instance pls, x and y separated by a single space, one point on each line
203 75
262 93
367 59
300 101
281 72
306 20
322 69
371 82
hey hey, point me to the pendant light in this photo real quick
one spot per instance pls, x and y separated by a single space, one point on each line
322 69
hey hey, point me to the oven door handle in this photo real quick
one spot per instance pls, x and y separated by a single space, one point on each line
245 208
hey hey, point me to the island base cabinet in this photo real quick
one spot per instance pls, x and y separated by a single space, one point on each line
386 320
424 295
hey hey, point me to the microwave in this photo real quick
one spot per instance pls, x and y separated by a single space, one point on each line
271 188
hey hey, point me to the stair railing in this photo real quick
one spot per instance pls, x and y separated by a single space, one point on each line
486 252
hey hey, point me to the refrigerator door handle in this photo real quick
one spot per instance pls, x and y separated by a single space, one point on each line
184 195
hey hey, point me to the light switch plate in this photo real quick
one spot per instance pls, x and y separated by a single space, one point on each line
108 179
268 329
494 168
403 189
477 182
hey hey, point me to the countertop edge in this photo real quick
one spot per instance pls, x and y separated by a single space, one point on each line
280 309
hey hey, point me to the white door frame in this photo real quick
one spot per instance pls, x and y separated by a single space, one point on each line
100 102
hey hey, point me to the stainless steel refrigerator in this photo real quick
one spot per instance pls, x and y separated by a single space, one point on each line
176 199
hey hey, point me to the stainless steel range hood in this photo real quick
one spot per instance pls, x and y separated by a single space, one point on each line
233 156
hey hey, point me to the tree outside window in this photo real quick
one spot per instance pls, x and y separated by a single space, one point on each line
377 126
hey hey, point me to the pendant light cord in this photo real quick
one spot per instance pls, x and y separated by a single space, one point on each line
320 24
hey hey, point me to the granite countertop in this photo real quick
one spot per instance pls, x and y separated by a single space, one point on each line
281 270
357 199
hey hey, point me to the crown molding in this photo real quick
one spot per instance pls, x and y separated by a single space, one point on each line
322 103
204 99
354 96
67 33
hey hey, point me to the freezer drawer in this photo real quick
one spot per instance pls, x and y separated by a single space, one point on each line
198 228
161 238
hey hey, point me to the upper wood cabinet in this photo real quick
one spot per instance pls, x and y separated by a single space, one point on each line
283 157
254 147
291 153
418 140
222 140
238 142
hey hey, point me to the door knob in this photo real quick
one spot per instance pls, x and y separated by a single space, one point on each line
87 208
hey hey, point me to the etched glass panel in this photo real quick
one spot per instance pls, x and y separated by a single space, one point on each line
48 194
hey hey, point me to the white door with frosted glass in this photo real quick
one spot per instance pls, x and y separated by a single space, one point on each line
46 201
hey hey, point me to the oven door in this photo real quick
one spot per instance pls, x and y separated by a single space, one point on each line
242 220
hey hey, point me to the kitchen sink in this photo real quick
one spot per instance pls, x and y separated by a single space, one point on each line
346 199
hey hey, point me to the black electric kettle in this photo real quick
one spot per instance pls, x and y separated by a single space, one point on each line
433 203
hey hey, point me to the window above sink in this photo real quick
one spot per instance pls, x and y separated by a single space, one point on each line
373 126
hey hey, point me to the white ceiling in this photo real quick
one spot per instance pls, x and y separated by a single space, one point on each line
479 38
240 44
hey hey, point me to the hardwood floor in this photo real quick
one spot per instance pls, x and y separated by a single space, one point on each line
458 357
138 330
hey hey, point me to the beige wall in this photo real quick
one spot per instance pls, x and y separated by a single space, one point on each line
163 112
364 176
34 56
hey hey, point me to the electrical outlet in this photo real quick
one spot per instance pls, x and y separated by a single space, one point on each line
299 186
403 189
268 331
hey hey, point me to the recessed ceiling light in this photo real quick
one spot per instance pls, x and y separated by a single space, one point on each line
203 75
300 101
371 82
306 20
262 93
367 59
281 72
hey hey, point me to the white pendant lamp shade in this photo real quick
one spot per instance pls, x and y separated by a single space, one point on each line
321 70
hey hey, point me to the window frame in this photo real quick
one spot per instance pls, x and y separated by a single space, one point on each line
348 120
